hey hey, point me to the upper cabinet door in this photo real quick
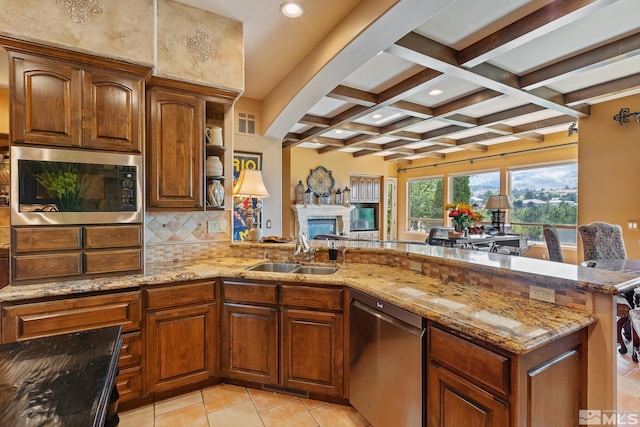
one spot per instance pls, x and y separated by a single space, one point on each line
46 107
113 111
174 158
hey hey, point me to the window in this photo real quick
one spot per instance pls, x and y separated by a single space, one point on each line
247 122
426 203
545 195
475 189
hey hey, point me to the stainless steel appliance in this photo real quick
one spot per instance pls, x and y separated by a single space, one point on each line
386 362
60 186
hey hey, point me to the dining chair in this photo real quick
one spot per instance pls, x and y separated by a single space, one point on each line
601 240
552 239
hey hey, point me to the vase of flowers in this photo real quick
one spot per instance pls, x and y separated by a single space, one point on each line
462 215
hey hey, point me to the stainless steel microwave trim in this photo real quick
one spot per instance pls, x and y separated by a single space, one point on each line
74 156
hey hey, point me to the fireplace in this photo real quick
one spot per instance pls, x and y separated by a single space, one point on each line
321 219
317 226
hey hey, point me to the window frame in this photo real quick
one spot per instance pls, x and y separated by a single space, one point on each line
560 227
430 221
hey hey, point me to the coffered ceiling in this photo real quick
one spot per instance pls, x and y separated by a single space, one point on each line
507 71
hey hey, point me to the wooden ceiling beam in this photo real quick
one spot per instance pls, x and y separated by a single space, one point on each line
543 21
408 86
413 109
587 61
615 86
353 96
414 47
361 128
541 124
334 142
312 120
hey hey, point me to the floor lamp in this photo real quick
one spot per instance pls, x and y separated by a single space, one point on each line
251 185
500 204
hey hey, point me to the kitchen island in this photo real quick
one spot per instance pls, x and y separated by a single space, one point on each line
480 296
63 380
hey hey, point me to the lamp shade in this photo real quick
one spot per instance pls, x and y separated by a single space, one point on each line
499 202
250 184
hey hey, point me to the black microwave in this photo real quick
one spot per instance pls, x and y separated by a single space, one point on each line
59 186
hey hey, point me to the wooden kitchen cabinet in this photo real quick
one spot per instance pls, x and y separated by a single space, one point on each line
365 189
181 336
69 104
312 339
470 384
47 252
305 322
249 326
312 351
22 320
175 152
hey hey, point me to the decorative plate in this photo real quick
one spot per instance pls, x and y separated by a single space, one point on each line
321 181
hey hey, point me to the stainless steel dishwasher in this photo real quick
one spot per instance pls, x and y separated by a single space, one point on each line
386 362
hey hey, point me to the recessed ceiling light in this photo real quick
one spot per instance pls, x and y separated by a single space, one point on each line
291 9
338 131
377 116
436 92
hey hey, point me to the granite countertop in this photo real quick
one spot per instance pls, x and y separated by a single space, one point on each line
514 323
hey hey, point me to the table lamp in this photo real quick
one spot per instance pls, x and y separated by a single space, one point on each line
500 203
251 185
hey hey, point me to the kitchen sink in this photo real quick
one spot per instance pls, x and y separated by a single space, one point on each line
275 267
292 267
315 269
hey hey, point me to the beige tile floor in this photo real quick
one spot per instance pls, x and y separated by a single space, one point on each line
228 405
628 382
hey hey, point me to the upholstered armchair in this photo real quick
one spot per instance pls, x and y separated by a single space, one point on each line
552 239
601 240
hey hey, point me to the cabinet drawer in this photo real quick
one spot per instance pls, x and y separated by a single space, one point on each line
113 261
312 297
251 292
173 296
40 239
129 383
27 267
112 236
131 353
471 360
70 315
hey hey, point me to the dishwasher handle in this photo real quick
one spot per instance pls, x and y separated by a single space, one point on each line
386 318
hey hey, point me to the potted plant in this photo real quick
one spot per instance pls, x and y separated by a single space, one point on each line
63 182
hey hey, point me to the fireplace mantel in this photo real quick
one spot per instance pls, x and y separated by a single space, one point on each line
305 212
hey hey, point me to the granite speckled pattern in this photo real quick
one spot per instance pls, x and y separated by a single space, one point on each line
513 323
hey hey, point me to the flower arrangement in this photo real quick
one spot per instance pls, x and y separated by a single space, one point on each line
462 215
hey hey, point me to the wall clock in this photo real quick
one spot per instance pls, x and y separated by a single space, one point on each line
321 181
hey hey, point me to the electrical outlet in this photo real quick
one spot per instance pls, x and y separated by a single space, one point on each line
415 266
542 294
215 226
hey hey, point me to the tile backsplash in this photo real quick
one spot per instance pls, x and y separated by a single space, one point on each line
183 236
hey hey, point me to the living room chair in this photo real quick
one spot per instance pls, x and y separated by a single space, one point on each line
601 240
552 239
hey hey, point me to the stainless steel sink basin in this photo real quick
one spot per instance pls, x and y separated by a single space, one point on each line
275 267
315 269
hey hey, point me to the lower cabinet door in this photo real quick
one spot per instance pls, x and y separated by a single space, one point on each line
313 357
180 347
250 343
453 401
